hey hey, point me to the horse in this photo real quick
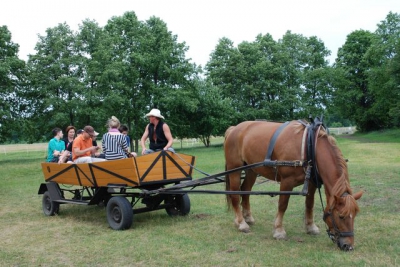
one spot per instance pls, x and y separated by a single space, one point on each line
247 143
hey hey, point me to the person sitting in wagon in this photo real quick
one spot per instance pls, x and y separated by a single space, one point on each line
114 143
82 147
56 146
67 154
158 132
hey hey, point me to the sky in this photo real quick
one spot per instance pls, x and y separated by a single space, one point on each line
200 24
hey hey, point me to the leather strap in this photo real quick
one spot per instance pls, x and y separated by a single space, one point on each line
273 141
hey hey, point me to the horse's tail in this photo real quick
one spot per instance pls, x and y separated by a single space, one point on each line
227 180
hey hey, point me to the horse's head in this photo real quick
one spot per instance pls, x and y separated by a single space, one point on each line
339 216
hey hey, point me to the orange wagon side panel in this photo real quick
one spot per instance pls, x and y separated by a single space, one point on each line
67 174
162 167
97 174
121 171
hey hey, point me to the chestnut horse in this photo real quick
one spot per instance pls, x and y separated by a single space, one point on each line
247 143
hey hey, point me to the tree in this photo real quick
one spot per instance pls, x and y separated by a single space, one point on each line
213 115
316 79
56 80
12 78
272 80
383 75
140 65
353 98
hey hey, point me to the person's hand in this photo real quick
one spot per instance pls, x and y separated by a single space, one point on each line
143 150
134 154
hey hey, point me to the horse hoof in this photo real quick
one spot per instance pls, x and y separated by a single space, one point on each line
246 231
312 230
279 235
244 227
249 220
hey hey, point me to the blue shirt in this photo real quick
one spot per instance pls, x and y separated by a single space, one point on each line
54 144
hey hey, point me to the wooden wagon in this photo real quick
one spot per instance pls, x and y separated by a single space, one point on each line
112 182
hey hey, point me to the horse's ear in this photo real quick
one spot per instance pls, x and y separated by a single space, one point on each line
358 195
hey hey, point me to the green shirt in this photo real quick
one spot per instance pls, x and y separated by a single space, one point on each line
54 144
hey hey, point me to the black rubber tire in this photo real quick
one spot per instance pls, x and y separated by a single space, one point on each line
50 208
180 205
119 213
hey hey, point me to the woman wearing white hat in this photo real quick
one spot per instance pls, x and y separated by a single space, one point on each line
158 133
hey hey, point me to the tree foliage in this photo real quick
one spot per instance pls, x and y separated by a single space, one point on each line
129 66
367 91
12 78
274 80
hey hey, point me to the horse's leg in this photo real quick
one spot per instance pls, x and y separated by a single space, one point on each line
287 184
247 185
311 228
234 181
279 231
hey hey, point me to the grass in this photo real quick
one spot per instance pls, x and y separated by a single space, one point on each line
80 236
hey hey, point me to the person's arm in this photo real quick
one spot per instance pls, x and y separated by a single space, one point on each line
80 152
103 142
143 139
128 142
53 149
63 157
168 135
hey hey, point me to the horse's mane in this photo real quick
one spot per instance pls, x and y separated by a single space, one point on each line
342 184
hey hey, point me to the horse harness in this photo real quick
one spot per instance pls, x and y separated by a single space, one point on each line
309 144
308 148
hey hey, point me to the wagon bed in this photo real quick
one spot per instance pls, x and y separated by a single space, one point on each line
157 168
111 183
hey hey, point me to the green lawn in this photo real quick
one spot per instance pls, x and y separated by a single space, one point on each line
80 236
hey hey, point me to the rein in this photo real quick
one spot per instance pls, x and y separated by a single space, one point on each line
312 138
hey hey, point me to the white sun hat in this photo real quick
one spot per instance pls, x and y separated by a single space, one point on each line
156 113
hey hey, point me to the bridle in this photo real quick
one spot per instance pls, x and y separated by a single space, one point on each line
312 136
337 233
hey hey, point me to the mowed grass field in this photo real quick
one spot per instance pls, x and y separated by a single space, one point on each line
80 235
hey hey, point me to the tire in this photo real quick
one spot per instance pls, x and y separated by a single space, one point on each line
50 208
180 205
119 213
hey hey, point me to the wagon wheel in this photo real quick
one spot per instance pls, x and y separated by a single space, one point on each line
49 207
119 213
178 204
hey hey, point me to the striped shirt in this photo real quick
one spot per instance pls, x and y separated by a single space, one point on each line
114 145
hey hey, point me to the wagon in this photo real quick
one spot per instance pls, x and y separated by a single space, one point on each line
112 183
